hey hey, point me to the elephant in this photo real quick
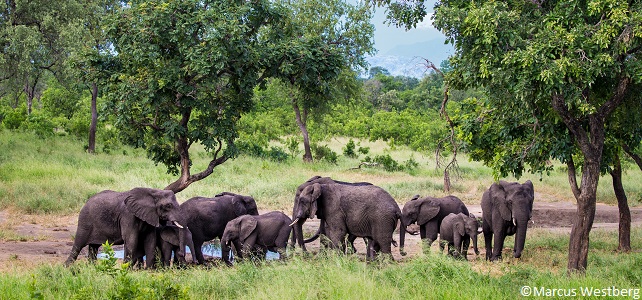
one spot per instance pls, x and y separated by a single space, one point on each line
506 209
170 238
428 213
206 217
255 235
366 211
322 225
128 218
457 230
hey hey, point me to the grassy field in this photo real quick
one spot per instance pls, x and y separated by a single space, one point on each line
54 177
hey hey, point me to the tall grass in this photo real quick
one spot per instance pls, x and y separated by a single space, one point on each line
55 175
329 276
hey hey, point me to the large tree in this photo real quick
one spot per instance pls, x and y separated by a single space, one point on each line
327 40
547 67
34 40
186 71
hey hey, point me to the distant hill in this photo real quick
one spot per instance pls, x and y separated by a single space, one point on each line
408 60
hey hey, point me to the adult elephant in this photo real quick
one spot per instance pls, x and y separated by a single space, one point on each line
206 217
506 209
428 212
129 218
322 224
255 235
360 210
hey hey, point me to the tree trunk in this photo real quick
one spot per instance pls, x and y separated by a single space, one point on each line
182 147
624 229
586 201
301 122
94 119
30 91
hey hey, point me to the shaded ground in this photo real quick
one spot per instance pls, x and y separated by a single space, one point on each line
37 240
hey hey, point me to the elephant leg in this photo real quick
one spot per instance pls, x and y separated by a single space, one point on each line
92 253
488 239
498 243
336 237
198 252
465 246
149 243
429 233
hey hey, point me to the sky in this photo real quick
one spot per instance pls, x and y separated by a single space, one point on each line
419 41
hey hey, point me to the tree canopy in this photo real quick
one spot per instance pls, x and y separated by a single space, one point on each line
554 73
186 71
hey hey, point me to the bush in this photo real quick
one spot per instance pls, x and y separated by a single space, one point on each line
254 149
41 125
323 152
13 118
349 149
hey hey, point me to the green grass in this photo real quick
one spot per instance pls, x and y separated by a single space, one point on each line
328 276
55 175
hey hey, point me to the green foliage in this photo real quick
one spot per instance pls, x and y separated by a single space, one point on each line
349 149
323 152
13 118
60 101
274 153
391 165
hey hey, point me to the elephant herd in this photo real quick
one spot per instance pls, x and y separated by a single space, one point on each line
150 222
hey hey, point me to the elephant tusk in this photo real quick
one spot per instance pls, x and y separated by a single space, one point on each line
178 225
293 222
514 223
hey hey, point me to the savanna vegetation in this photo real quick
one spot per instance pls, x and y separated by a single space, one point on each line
201 97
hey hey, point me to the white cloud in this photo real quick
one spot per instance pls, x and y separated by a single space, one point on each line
426 23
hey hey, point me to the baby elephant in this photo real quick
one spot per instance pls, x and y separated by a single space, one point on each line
255 235
457 230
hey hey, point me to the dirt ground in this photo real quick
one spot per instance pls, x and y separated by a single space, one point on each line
38 240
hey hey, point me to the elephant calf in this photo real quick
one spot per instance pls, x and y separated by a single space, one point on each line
255 235
457 230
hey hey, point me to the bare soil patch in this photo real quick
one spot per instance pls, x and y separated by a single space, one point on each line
30 241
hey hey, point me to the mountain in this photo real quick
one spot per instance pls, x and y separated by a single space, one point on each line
409 59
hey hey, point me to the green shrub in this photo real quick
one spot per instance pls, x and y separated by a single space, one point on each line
40 124
323 152
349 149
13 118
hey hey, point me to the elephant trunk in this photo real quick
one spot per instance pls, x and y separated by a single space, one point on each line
520 237
402 238
298 232
474 238
225 251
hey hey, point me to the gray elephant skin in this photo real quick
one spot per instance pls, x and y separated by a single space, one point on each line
172 241
206 218
255 235
322 225
359 210
428 213
128 218
506 209
456 230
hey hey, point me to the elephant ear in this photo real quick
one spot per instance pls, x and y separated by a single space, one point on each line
427 211
239 205
460 228
170 235
528 186
248 224
142 203
315 193
500 201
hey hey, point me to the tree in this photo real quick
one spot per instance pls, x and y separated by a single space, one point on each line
327 39
34 37
90 62
548 67
185 73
